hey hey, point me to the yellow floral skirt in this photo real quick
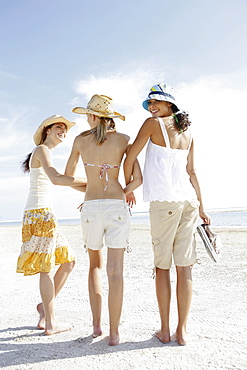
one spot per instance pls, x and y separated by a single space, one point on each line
43 244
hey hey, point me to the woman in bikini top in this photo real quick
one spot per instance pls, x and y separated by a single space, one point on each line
103 144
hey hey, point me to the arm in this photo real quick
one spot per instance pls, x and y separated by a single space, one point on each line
136 178
73 159
135 182
72 164
195 183
81 188
139 143
43 155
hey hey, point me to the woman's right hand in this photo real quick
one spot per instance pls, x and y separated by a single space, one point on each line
205 217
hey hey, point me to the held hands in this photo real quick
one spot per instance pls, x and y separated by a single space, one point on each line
130 199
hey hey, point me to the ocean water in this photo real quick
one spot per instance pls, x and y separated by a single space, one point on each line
224 218
220 218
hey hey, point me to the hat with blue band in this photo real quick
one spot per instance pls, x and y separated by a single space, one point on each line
161 92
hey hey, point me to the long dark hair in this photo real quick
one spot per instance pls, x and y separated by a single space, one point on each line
100 130
182 121
25 163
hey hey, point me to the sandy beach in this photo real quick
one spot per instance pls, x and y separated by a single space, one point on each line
216 326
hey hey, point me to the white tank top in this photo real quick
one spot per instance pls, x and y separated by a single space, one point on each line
40 190
165 177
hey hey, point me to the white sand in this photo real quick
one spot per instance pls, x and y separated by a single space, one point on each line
217 321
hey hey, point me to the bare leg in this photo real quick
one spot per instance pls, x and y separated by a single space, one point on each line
60 279
163 293
115 298
184 296
95 289
62 275
47 292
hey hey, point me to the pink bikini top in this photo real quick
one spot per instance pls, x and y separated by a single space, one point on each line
103 172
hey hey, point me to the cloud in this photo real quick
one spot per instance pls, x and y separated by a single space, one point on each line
7 159
219 128
125 89
216 109
8 75
14 129
128 89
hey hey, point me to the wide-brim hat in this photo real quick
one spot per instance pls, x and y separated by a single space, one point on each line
101 106
162 92
56 118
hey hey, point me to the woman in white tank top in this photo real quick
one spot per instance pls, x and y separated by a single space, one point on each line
43 245
171 186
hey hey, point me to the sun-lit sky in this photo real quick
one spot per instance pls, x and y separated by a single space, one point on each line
55 54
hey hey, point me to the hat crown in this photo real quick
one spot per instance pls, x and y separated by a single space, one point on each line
162 88
101 104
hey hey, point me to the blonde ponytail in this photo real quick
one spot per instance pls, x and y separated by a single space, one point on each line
100 130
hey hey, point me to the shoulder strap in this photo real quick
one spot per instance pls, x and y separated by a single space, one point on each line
164 132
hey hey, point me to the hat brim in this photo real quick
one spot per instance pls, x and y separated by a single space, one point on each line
81 110
50 121
158 97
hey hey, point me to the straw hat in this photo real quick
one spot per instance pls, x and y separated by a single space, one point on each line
162 92
101 106
49 121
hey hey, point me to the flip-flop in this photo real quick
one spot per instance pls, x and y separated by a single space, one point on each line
211 242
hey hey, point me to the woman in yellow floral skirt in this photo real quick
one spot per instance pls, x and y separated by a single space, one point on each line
43 244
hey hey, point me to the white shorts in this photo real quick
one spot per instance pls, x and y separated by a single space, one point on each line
107 219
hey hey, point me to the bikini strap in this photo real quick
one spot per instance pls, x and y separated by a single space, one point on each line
103 166
103 172
164 132
90 164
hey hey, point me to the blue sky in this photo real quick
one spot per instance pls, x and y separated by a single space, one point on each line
56 54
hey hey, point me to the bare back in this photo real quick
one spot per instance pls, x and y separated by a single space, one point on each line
111 152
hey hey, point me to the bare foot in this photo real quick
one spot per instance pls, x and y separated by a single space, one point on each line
97 332
163 337
58 328
181 337
113 340
41 323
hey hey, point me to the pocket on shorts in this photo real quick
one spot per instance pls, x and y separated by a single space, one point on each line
169 213
87 218
118 217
